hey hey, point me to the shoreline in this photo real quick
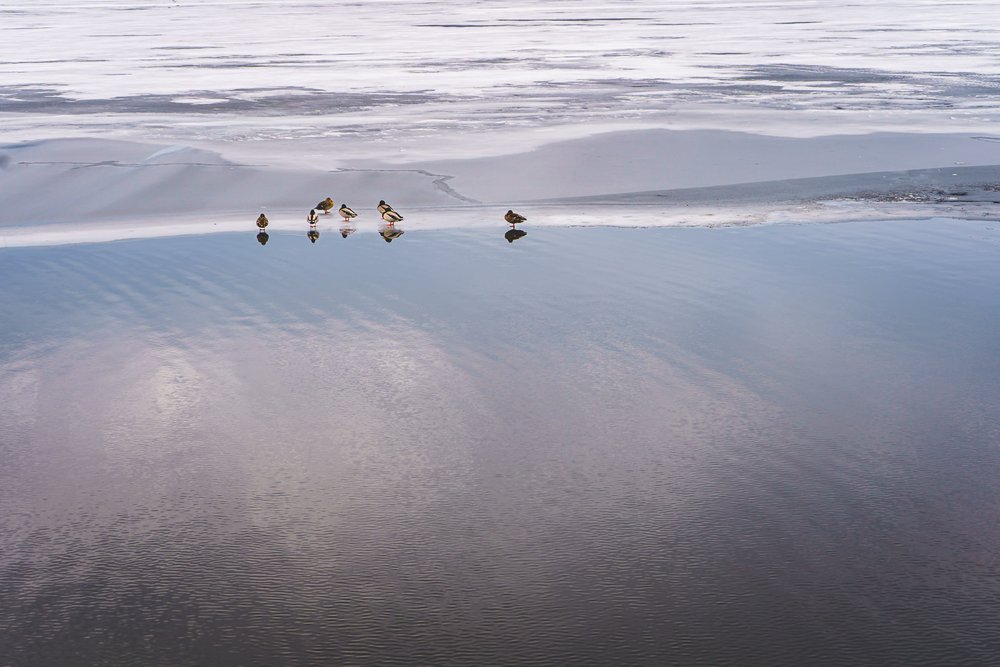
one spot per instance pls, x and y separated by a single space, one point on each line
66 191
826 213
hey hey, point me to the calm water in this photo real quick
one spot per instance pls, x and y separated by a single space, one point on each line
757 446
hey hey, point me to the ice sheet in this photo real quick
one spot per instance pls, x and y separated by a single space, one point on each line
327 83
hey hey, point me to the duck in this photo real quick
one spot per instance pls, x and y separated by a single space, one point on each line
346 212
391 216
513 218
262 221
312 218
383 207
325 205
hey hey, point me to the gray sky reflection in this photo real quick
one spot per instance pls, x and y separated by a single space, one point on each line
437 447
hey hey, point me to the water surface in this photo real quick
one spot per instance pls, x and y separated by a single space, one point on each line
771 445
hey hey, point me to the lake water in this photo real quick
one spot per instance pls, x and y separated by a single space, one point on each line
747 446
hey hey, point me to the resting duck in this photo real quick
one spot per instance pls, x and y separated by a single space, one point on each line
325 205
513 218
312 218
262 221
391 216
346 212
383 207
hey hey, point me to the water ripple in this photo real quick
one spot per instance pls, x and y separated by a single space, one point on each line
739 446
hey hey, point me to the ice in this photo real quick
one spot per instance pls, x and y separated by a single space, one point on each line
425 79
222 107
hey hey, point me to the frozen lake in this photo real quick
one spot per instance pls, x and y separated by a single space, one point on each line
706 437
396 81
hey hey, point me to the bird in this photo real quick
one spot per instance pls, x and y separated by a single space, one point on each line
513 218
383 207
346 212
312 218
262 221
391 216
325 205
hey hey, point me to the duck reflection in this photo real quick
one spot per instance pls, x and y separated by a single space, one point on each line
389 232
313 235
514 234
347 230
262 237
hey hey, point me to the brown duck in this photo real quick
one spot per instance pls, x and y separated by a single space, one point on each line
325 205
513 218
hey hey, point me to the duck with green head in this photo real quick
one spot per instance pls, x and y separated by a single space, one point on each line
346 212
391 216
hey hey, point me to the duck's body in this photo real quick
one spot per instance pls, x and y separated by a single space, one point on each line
383 207
346 212
325 205
391 216
513 218
312 218
262 221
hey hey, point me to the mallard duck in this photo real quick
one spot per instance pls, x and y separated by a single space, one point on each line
383 207
346 212
312 218
513 218
262 237
325 205
313 235
391 216
262 221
